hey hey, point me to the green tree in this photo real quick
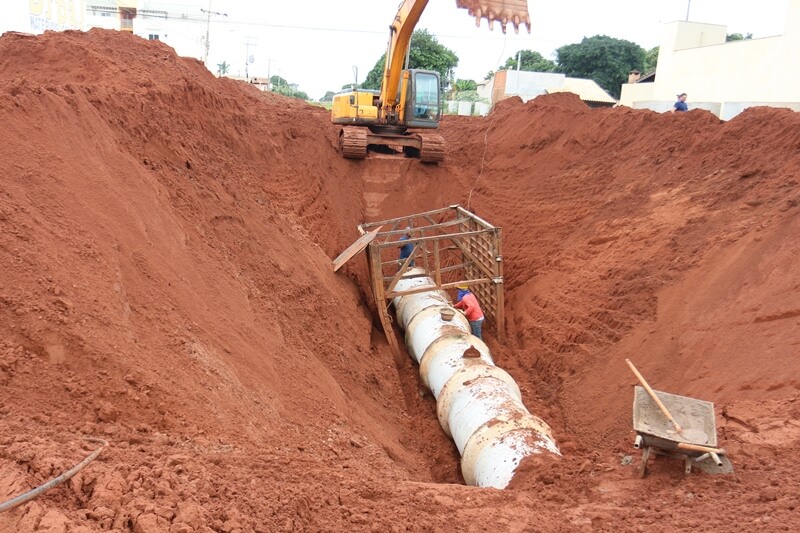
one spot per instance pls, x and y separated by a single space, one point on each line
469 96
530 61
328 97
650 60
291 91
223 68
465 85
488 75
462 86
282 86
738 37
426 53
603 59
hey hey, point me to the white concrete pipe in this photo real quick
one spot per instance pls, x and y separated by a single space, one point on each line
478 404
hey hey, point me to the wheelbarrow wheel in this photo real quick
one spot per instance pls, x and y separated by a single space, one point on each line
645 457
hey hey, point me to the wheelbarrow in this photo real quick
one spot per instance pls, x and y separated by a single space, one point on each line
690 434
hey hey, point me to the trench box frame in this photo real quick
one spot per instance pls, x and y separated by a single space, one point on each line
453 245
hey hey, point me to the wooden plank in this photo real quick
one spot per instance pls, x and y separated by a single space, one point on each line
452 285
444 270
403 268
474 217
355 248
422 229
417 240
437 263
499 290
380 302
400 219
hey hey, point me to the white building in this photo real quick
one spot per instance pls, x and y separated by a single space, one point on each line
182 24
36 16
528 85
722 77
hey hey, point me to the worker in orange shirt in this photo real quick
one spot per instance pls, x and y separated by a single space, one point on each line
469 304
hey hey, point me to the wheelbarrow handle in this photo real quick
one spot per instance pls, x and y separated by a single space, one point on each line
700 448
653 395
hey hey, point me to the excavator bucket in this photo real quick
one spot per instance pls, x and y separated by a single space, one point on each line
505 11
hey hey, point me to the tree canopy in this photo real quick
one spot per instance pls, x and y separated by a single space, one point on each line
426 53
281 86
650 60
738 37
530 61
604 59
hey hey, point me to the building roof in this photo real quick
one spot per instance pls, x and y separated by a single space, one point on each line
650 77
587 90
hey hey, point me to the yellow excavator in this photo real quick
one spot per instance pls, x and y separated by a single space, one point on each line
409 99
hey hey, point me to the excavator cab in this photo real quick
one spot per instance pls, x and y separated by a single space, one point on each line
423 108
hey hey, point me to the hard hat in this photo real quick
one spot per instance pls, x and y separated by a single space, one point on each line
463 287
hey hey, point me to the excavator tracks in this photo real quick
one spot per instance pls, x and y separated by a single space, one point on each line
432 150
353 142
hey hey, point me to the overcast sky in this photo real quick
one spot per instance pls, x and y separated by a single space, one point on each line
316 43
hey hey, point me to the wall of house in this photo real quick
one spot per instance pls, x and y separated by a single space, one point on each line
527 85
726 77
36 16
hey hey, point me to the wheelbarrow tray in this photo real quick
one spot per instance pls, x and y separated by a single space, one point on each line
696 418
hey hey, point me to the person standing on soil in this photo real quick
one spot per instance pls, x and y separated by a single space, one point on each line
407 248
467 301
680 106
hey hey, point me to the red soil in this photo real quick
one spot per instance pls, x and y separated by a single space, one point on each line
165 284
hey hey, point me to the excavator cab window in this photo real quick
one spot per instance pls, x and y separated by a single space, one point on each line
426 96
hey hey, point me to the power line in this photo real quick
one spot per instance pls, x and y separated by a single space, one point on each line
194 18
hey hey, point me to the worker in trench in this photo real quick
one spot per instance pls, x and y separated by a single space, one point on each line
467 302
406 249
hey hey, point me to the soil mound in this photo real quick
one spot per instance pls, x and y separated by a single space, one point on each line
165 284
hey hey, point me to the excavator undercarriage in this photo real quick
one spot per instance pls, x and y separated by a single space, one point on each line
428 147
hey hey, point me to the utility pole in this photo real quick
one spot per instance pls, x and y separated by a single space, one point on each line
688 7
248 58
208 13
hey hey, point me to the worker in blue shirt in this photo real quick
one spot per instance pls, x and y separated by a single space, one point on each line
680 105
406 249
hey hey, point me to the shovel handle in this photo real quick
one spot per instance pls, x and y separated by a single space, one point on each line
653 395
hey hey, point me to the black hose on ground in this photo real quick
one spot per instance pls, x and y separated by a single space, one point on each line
31 494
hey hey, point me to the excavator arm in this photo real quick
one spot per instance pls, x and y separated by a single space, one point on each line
399 40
